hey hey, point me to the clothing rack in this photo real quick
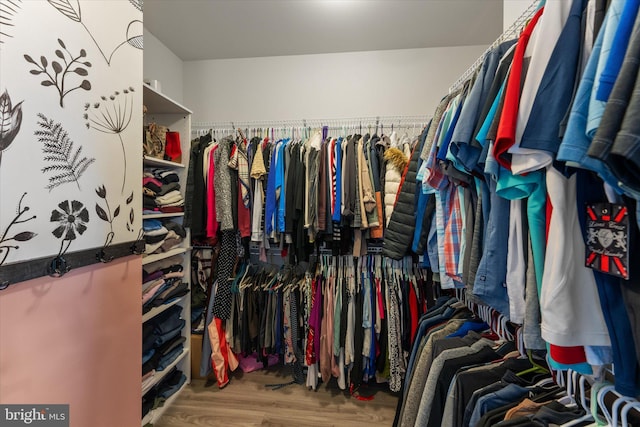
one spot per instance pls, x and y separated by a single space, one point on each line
335 124
511 32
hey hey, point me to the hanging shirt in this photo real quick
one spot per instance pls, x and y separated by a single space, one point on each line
549 85
508 119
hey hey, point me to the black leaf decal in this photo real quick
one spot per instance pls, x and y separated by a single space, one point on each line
10 121
130 198
24 236
65 164
135 34
116 212
101 213
58 75
67 9
131 216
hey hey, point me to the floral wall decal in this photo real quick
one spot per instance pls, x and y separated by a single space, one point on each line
65 164
71 9
8 9
132 215
106 214
58 74
72 218
112 116
50 67
10 121
22 236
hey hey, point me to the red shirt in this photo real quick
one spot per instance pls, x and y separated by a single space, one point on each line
508 120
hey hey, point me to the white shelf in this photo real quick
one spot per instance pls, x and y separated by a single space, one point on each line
152 161
157 257
157 310
159 412
159 103
166 112
160 375
162 215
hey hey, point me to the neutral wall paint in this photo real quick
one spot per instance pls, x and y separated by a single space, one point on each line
163 65
512 10
393 82
75 340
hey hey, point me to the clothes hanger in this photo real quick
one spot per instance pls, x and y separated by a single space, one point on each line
536 368
605 411
634 404
583 402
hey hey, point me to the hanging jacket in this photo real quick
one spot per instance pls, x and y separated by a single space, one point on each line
399 234
396 162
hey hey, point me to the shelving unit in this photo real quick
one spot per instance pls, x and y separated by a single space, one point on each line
162 215
157 310
159 376
157 413
167 112
157 257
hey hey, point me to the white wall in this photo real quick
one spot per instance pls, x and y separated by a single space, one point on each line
163 65
378 83
512 10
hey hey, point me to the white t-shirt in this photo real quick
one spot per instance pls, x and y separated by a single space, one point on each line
569 301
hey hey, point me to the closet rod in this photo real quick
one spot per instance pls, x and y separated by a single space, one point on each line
511 32
336 122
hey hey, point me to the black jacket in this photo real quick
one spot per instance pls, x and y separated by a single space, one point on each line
399 233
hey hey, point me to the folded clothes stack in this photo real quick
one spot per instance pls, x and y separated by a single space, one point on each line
162 283
161 189
162 235
169 385
162 342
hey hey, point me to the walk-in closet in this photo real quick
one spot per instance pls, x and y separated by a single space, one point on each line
319 212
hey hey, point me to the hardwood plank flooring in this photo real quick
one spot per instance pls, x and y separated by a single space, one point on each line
247 402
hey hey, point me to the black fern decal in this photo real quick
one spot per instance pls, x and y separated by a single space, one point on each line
8 9
58 74
23 236
65 164
71 9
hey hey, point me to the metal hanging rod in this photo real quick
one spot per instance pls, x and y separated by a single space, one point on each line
315 123
511 32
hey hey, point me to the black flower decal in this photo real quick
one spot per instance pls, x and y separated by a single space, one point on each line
72 217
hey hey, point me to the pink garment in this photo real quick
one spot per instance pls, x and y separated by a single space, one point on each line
326 337
148 179
212 220
251 363
148 295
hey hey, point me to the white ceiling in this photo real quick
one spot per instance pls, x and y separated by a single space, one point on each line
218 29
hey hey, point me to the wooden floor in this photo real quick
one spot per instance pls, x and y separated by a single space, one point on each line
247 402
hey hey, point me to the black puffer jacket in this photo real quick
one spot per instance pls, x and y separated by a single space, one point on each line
399 233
